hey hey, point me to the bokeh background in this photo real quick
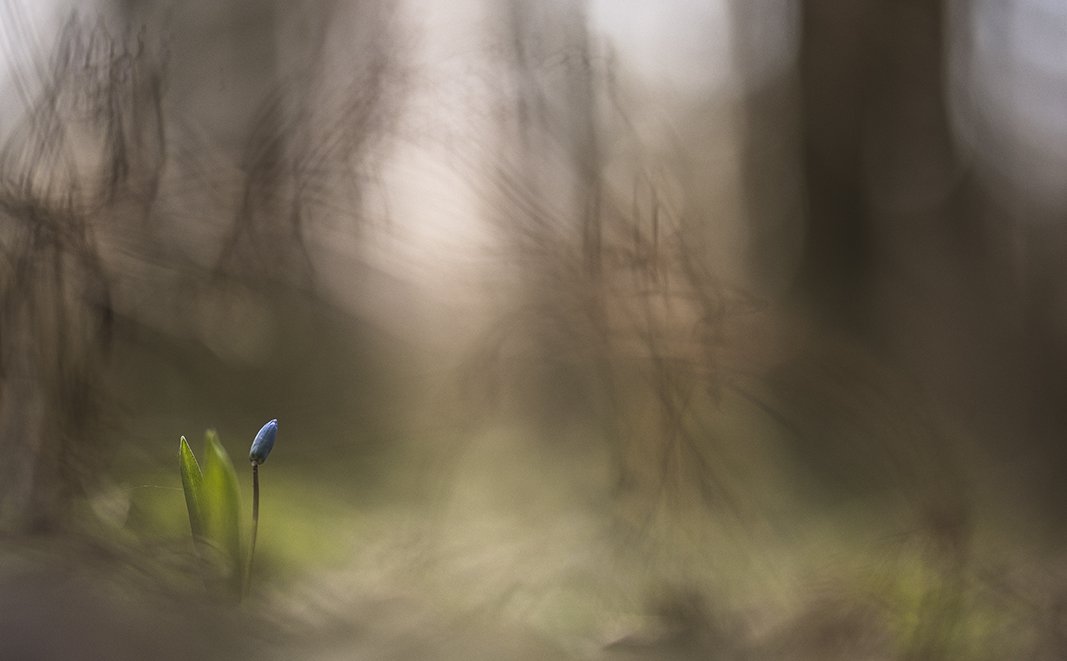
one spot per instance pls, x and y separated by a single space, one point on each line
596 329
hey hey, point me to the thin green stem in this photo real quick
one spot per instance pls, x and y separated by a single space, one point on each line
255 524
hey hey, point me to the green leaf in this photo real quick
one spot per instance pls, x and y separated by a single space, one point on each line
193 485
222 511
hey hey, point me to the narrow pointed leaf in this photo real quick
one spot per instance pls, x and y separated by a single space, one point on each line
222 507
193 486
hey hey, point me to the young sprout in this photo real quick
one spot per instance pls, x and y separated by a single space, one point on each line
261 447
213 500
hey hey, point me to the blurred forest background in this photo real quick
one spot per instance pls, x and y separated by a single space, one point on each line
596 329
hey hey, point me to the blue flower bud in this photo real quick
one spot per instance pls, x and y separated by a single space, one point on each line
263 443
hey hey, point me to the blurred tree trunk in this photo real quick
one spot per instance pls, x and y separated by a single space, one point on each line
891 254
840 50
88 149
885 186
772 186
547 191
891 258
1024 219
907 246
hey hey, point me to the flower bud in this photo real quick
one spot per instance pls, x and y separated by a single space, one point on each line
263 443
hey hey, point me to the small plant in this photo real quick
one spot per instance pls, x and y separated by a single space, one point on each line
213 500
261 447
